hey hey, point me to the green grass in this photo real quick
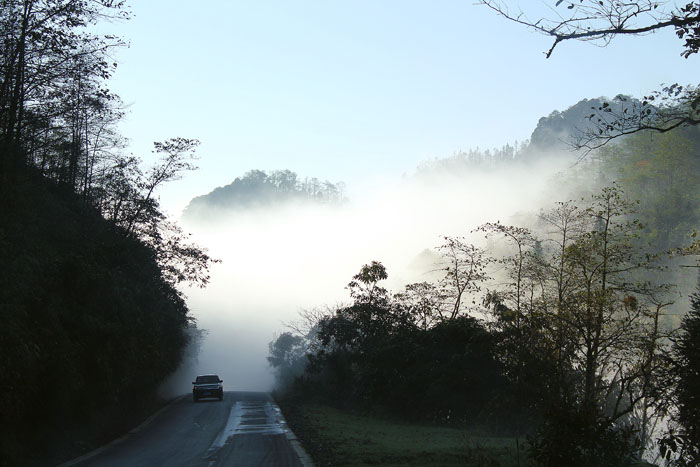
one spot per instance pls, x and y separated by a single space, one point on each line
333 437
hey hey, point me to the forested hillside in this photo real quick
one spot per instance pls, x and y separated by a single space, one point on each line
91 317
553 138
260 189
90 325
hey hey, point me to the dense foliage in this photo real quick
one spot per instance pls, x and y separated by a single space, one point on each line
659 170
375 353
90 325
558 334
682 443
91 318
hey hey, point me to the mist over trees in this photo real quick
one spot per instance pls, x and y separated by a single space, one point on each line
564 328
558 332
583 308
660 171
673 109
260 189
553 139
567 325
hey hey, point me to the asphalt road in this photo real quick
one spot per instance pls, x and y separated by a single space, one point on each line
244 429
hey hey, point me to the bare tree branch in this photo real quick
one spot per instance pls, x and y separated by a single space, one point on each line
594 20
600 21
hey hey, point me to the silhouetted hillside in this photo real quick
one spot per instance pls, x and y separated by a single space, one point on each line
89 325
559 129
258 188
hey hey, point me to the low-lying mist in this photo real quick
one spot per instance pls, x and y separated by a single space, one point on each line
279 261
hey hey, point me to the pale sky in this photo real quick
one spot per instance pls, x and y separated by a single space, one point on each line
357 91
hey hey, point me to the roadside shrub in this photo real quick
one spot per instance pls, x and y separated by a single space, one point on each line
575 438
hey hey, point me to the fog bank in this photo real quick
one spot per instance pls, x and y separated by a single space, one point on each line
278 261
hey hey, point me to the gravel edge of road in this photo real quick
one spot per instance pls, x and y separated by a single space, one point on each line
121 439
304 458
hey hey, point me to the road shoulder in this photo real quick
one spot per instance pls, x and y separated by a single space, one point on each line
304 457
123 438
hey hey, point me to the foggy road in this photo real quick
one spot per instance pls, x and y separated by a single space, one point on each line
245 429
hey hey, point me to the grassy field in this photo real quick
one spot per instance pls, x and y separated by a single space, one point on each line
333 437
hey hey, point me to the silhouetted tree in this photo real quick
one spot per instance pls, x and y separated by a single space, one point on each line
47 55
465 272
682 444
364 287
422 302
288 357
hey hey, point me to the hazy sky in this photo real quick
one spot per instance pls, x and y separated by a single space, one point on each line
355 91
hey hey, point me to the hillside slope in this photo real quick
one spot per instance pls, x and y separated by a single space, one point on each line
89 326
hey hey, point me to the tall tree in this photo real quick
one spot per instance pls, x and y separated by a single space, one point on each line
683 443
45 44
465 272
364 287
579 317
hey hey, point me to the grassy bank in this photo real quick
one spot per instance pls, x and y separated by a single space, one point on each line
335 438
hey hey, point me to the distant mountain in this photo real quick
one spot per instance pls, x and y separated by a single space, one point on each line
557 131
554 131
552 136
259 189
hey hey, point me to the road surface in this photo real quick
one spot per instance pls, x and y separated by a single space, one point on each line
244 429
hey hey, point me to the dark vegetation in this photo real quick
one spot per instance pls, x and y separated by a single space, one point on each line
597 370
90 326
564 334
684 436
91 317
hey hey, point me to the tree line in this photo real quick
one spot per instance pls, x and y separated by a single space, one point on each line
91 317
560 331
261 189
